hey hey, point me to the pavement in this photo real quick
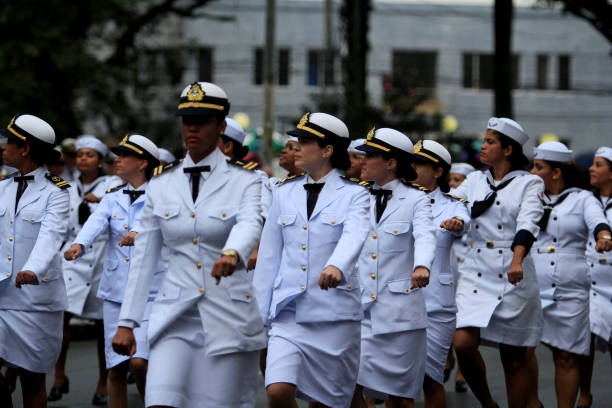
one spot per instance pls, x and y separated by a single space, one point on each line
82 371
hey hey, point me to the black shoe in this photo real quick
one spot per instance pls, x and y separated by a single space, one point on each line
460 386
99 399
57 392
447 373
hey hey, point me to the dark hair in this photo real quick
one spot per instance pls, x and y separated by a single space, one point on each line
238 150
404 165
518 161
340 158
573 175
39 153
595 189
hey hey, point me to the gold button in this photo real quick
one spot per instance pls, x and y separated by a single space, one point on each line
303 267
199 265
31 219
407 290
305 227
304 247
373 297
115 215
201 290
348 286
125 226
11 239
374 236
247 295
11 221
395 231
8 274
46 278
10 257
127 259
373 276
223 214
373 256
194 240
164 294
302 287
166 213
333 222
192 215
284 223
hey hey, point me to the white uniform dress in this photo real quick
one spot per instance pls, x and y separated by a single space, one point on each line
505 313
82 276
116 215
315 334
440 293
393 336
559 257
600 268
204 337
31 318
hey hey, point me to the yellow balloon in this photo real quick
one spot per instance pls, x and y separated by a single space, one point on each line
549 137
449 123
243 119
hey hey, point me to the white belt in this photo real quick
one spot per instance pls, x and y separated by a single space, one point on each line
550 249
490 244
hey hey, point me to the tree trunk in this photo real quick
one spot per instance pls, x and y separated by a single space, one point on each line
502 66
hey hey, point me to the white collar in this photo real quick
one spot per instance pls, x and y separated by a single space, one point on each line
323 179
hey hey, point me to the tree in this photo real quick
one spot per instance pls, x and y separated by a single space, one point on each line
597 12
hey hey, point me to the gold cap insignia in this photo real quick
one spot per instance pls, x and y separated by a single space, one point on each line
195 93
370 135
304 119
418 146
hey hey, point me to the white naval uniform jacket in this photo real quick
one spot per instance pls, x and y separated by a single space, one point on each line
440 293
483 284
83 274
116 214
600 271
30 239
559 252
294 250
226 215
403 239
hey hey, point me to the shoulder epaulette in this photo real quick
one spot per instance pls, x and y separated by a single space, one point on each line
454 197
119 187
357 181
10 175
415 185
251 165
160 169
57 180
289 178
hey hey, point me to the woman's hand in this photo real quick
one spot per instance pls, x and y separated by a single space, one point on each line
452 224
73 252
330 277
128 239
515 273
419 278
90 198
225 266
124 342
604 243
26 278
252 260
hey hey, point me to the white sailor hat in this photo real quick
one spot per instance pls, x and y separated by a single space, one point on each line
165 155
430 151
386 140
462 168
353 146
509 128
605 152
203 99
68 145
234 131
322 126
552 151
91 142
34 131
292 139
140 147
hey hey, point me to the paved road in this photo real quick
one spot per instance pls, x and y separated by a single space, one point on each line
82 372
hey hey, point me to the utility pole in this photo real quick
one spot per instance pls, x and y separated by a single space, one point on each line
503 77
267 145
329 48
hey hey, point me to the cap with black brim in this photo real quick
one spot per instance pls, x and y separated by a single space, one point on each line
16 133
203 99
130 147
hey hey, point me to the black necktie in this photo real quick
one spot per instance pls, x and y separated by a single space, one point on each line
479 207
134 194
195 179
606 206
22 180
543 223
382 197
312 194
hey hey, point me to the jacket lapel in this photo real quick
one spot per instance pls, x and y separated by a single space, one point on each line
182 186
32 193
300 197
328 193
217 178
395 202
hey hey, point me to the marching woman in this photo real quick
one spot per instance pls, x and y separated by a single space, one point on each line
82 277
34 207
600 269
204 327
119 213
450 215
394 263
306 282
498 300
571 215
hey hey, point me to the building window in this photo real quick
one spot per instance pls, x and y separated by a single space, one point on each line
478 71
542 71
282 69
317 73
415 70
205 64
564 72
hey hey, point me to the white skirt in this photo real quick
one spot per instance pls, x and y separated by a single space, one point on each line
393 363
440 332
566 326
320 359
601 304
31 340
181 374
111 321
